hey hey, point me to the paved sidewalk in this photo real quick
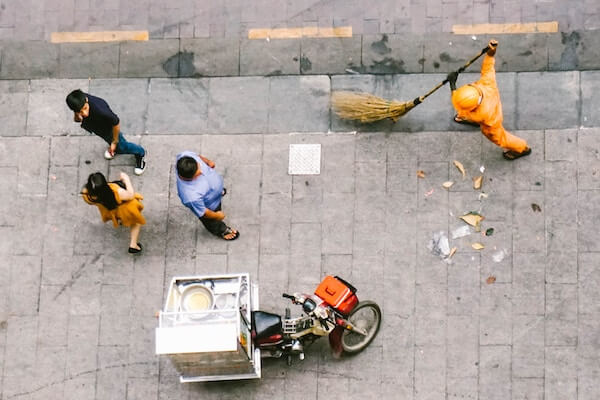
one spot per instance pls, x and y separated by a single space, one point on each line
403 53
78 312
22 20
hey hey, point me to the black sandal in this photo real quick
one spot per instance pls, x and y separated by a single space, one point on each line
464 121
513 155
133 250
229 231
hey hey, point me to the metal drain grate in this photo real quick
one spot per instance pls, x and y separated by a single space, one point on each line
305 159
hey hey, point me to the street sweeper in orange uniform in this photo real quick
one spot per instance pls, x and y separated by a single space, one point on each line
478 104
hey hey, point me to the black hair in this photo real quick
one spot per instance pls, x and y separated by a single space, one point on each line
76 100
187 167
100 192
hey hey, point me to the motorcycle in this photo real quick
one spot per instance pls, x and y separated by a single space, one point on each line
333 311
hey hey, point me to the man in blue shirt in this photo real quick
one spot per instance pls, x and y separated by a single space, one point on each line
200 189
96 117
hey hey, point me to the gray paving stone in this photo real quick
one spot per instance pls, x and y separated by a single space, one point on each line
80 387
13 105
528 293
560 144
89 60
528 346
337 227
152 59
190 99
555 113
442 54
269 57
47 112
463 285
299 104
330 56
30 60
561 373
495 322
573 50
528 388
525 52
463 347
588 220
392 54
589 281
588 173
561 314
528 225
210 57
494 372
590 84
128 98
238 105
430 372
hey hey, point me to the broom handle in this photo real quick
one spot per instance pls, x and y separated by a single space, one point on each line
419 100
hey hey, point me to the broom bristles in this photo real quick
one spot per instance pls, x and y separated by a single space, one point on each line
365 107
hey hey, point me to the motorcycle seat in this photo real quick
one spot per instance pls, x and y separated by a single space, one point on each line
266 324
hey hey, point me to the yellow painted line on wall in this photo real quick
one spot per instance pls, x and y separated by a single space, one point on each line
530 27
103 36
295 33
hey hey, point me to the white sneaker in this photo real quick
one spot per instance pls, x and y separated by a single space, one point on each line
108 156
140 165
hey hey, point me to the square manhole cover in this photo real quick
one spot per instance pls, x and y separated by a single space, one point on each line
305 159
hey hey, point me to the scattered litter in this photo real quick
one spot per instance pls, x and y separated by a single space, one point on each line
477 246
460 167
421 173
429 193
473 219
489 231
351 71
482 169
477 182
463 231
536 208
439 245
268 39
88 162
53 177
474 37
452 251
499 255
447 184
483 196
54 229
490 280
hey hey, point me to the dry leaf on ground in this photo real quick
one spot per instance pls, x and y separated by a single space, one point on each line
461 168
536 208
490 280
477 182
447 184
473 219
421 173
477 246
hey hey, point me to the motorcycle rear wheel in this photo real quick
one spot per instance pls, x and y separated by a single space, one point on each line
366 315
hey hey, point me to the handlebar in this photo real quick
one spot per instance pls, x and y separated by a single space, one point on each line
288 296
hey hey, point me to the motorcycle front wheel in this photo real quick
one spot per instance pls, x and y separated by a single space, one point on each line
367 316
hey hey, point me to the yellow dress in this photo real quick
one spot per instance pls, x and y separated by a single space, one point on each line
127 213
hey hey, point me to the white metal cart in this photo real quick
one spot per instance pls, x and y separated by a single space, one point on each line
205 328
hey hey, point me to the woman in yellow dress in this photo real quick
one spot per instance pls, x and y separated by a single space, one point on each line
117 202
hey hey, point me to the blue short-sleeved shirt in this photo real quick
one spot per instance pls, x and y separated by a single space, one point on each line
204 191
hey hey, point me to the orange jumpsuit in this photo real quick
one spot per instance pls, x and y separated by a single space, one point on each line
489 113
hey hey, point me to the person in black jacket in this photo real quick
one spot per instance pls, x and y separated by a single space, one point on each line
96 117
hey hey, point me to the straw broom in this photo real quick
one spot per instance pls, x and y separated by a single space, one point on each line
367 108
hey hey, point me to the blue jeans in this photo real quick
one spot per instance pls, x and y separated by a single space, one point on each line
125 147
